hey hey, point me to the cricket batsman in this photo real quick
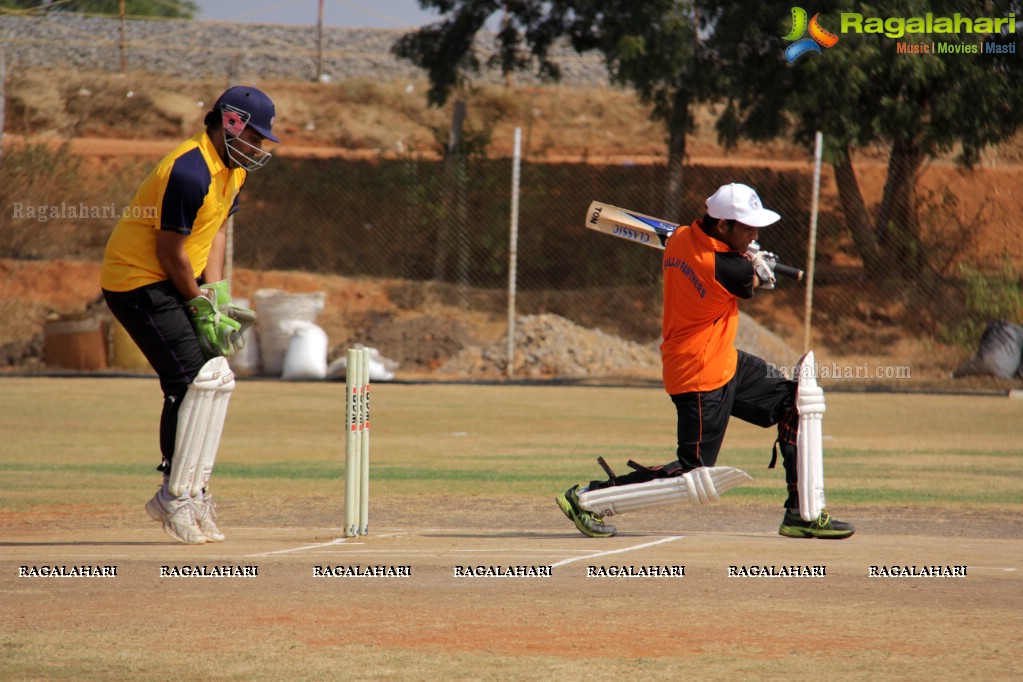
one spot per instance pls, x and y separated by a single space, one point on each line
163 280
708 266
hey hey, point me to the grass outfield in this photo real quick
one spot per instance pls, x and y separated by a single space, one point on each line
79 441
466 475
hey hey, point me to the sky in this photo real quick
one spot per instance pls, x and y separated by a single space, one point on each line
398 14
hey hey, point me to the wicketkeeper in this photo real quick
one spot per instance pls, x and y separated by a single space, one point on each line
708 266
163 279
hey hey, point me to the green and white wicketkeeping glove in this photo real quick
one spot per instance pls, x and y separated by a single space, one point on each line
216 332
243 316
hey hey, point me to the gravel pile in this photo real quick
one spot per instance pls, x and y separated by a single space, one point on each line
204 49
549 346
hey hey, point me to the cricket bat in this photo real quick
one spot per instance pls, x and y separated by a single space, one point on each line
646 230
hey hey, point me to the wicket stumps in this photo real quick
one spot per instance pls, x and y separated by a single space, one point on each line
357 443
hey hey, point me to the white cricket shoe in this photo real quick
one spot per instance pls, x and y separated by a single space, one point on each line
178 519
205 510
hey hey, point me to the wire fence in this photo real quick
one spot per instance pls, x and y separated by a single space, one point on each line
443 225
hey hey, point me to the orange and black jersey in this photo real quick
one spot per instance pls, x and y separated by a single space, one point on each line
194 193
703 280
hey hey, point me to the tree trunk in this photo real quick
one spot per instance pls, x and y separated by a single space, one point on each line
454 169
679 123
898 224
856 217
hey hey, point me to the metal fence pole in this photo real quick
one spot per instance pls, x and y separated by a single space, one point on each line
319 42
124 39
513 248
232 75
3 93
811 247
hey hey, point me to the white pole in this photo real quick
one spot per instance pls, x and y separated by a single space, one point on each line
124 40
229 249
811 248
229 227
3 94
513 247
319 43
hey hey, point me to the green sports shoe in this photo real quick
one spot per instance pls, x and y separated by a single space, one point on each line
824 527
587 522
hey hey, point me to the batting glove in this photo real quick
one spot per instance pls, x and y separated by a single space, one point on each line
763 266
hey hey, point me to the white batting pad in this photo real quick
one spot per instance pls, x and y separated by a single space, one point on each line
200 425
697 487
809 442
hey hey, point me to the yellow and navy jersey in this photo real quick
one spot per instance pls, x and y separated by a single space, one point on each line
703 280
193 193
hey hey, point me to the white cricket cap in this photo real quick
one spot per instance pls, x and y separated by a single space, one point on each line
739 202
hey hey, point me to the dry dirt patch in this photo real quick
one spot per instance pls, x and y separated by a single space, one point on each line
434 625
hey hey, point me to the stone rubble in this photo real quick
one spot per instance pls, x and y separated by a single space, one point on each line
550 346
205 49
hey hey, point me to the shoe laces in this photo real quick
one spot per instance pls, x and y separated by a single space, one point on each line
209 507
824 519
189 513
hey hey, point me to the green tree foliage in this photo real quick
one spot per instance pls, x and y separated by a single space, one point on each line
862 92
650 46
992 294
179 9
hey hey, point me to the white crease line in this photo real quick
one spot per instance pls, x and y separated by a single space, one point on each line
398 552
617 551
398 556
34 558
530 550
304 529
339 541
456 552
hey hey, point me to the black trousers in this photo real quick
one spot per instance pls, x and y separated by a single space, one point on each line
756 394
154 317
